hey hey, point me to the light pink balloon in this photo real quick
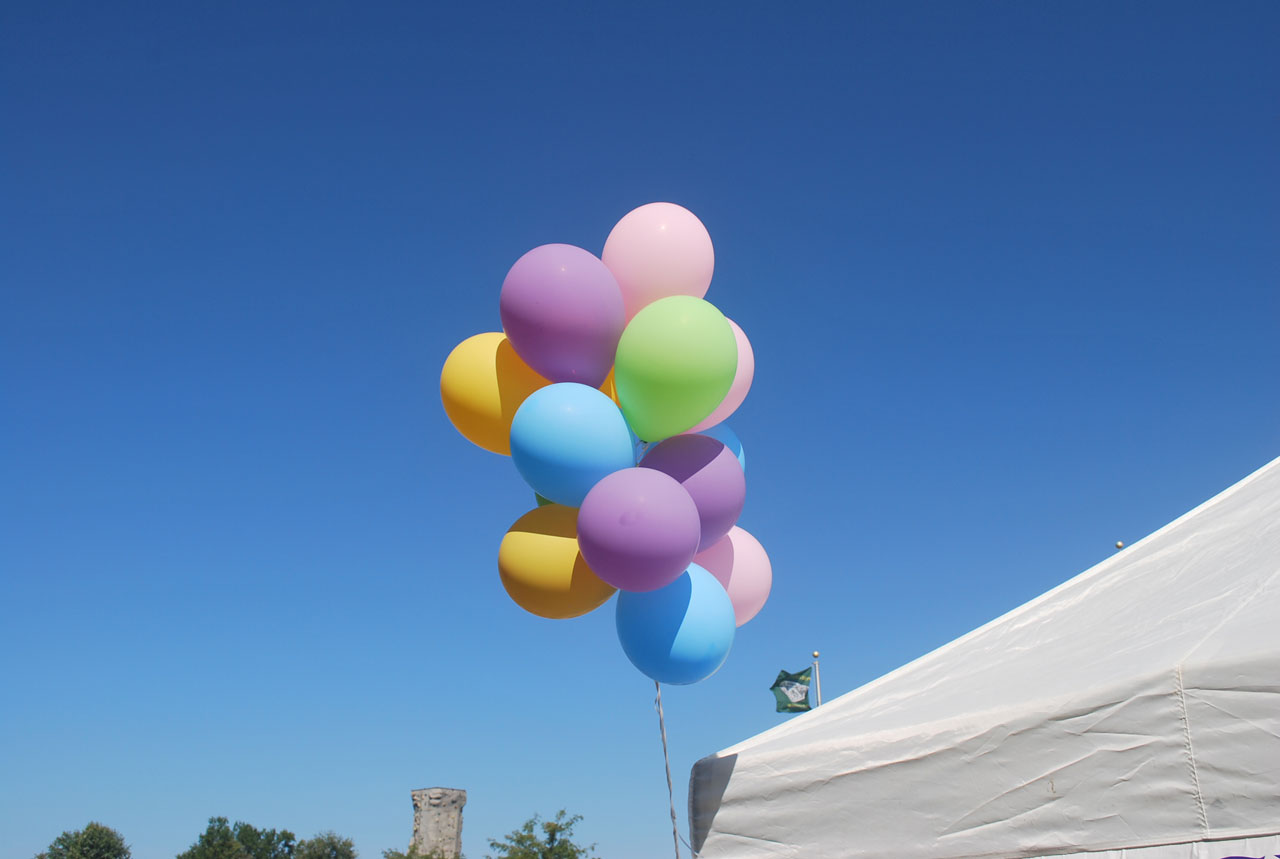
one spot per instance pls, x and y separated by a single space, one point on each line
656 251
741 382
739 562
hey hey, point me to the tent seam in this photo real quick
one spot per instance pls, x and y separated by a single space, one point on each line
1191 753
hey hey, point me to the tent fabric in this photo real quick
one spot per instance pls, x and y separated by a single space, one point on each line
1135 706
1267 847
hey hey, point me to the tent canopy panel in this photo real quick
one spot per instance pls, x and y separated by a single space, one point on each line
1134 705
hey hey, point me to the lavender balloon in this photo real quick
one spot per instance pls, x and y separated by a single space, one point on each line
638 529
710 473
562 312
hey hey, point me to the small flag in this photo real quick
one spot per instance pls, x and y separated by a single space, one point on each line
792 691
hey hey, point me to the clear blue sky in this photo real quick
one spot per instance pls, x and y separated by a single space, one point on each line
1009 269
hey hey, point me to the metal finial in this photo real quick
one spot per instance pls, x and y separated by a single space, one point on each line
815 654
1119 544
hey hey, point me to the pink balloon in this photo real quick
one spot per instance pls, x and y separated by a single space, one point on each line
656 251
741 382
739 562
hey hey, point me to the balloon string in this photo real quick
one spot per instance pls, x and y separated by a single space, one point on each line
666 759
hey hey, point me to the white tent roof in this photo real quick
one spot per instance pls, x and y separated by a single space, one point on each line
1136 705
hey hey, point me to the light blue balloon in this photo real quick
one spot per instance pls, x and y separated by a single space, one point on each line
727 437
565 438
680 633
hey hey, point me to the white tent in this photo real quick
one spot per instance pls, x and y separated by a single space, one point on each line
1133 711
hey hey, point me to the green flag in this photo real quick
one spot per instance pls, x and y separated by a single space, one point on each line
792 691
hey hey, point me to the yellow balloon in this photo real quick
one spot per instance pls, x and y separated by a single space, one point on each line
482 384
542 569
609 387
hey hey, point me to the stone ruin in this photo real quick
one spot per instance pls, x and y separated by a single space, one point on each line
437 821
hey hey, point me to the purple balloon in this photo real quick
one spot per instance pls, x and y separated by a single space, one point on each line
638 529
710 473
562 311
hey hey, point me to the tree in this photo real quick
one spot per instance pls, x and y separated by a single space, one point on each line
242 841
95 841
325 845
411 853
265 843
553 843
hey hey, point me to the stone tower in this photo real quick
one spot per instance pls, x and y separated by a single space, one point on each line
437 821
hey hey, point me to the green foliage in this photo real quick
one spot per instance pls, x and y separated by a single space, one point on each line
95 841
242 841
553 842
264 843
412 853
325 845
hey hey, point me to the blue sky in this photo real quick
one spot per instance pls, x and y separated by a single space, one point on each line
1009 271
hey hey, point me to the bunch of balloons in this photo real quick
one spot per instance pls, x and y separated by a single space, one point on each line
608 387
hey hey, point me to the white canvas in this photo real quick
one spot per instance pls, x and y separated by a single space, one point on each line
1135 706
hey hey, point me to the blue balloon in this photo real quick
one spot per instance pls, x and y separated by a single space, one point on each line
727 437
567 436
680 633
638 447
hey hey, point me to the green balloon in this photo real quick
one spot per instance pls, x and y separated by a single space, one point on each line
675 363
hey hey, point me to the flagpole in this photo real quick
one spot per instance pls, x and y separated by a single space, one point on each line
817 679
